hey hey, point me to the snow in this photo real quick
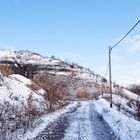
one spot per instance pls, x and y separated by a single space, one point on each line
46 120
80 126
131 95
123 103
18 98
28 57
124 126
20 78
15 89
86 75
59 73
7 55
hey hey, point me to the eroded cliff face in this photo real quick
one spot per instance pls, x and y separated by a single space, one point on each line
64 83
61 80
8 67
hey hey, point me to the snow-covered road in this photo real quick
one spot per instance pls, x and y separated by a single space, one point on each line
82 124
86 124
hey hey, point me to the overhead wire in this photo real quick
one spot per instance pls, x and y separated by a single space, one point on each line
125 35
119 42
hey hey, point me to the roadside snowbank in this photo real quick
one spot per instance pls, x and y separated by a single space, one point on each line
124 127
46 120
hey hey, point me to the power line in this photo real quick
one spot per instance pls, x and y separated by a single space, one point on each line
118 43
125 35
110 49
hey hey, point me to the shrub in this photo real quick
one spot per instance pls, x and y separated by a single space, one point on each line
82 95
6 70
135 88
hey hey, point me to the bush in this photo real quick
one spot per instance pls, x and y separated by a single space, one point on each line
7 71
82 95
135 88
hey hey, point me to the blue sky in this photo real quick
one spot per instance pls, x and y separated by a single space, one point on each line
77 30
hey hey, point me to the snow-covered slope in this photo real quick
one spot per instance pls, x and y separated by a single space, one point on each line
16 89
126 101
124 127
21 101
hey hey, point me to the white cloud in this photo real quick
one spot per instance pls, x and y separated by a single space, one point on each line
116 57
126 61
132 43
122 73
126 74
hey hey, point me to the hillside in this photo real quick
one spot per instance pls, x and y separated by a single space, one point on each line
32 85
124 126
21 101
53 75
63 81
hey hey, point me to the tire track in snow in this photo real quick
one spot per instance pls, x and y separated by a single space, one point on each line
86 124
81 124
80 127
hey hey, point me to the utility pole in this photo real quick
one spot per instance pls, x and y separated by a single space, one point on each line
110 78
110 49
102 87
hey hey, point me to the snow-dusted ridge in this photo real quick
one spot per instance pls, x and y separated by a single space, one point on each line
8 55
26 57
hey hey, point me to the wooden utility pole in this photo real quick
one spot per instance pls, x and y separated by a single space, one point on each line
102 87
110 79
